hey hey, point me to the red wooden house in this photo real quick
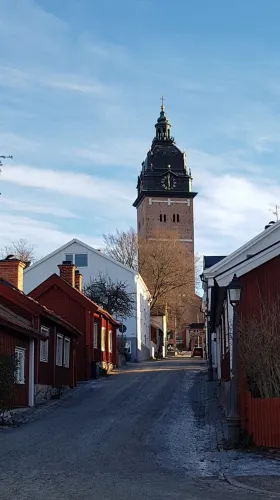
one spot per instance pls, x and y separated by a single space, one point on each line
64 295
43 342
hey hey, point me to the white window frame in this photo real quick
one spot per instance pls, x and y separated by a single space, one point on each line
20 369
77 265
44 345
110 341
95 335
66 353
103 338
59 361
69 255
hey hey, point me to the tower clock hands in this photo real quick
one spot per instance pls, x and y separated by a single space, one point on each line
168 181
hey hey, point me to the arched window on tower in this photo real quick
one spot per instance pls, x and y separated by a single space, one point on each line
164 218
174 218
178 218
160 218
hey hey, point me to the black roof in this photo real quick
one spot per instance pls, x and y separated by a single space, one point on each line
211 260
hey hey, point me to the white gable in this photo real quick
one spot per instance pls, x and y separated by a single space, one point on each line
97 262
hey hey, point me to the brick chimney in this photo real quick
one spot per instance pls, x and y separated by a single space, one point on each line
78 280
11 270
67 272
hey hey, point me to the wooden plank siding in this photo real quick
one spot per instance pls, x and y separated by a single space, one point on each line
9 340
72 311
259 417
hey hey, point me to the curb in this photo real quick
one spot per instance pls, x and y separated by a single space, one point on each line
238 484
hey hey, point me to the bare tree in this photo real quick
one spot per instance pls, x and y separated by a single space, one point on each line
111 296
21 249
167 267
123 247
259 347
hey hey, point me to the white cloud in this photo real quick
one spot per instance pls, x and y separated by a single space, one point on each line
68 183
128 152
35 207
231 208
46 236
16 143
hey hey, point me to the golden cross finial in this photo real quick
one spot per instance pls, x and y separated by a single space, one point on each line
162 103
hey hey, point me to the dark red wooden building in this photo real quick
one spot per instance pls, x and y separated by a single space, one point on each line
43 342
63 294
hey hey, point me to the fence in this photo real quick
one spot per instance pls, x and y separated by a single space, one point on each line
260 418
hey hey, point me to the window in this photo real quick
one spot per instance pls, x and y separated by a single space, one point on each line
164 218
178 218
95 335
66 353
81 259
160 218
20 360
110 341
174 217
44 345
103 333
59 349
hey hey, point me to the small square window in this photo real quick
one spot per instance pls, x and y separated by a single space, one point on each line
81 260
69 257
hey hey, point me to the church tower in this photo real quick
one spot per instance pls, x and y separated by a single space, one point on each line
165 197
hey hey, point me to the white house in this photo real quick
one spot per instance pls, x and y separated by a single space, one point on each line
90 263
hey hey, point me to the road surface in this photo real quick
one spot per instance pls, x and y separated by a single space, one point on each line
138 434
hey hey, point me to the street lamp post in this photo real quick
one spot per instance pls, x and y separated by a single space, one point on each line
234 293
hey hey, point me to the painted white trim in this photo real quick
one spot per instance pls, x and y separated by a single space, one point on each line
103 339
171 202
95 334
66 340
59 336
20 350
31 373
247 266
262 237
110 341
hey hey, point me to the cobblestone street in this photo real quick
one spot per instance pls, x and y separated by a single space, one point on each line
153 430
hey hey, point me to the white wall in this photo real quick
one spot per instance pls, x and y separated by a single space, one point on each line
143 316
39 272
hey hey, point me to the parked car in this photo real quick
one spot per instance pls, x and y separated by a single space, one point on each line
197 351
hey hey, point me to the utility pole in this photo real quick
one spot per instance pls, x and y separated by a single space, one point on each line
275 212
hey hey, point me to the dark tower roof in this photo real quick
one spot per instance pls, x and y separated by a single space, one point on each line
164 170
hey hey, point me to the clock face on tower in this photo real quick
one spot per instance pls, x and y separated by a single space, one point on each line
168 182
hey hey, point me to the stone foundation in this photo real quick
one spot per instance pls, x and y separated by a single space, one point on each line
45 392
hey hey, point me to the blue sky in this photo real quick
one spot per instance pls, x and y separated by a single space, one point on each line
80 87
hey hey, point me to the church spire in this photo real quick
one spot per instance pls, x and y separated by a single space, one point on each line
163 127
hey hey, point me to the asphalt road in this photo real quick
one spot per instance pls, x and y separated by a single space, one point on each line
117 440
